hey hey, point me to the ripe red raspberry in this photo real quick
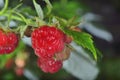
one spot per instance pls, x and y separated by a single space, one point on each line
49 65
46 41
8 42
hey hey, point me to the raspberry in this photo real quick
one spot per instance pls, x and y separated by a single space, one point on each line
49 65
3 38
8 42
46 41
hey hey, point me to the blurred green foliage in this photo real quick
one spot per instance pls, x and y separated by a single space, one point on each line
68 8
110 69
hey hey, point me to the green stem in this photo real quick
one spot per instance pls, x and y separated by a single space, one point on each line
17 6
22 17
4 8
49 7
13 17
11 12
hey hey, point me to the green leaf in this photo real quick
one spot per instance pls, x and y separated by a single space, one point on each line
8 76
65 9
99 54
49 6
84 40
62 21
38 10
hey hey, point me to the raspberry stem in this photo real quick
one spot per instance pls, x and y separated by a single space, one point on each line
5 7
11 12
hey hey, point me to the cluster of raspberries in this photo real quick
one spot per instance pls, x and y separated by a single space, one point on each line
8 42
49 43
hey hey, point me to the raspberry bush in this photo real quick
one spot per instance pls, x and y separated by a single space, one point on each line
50 37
